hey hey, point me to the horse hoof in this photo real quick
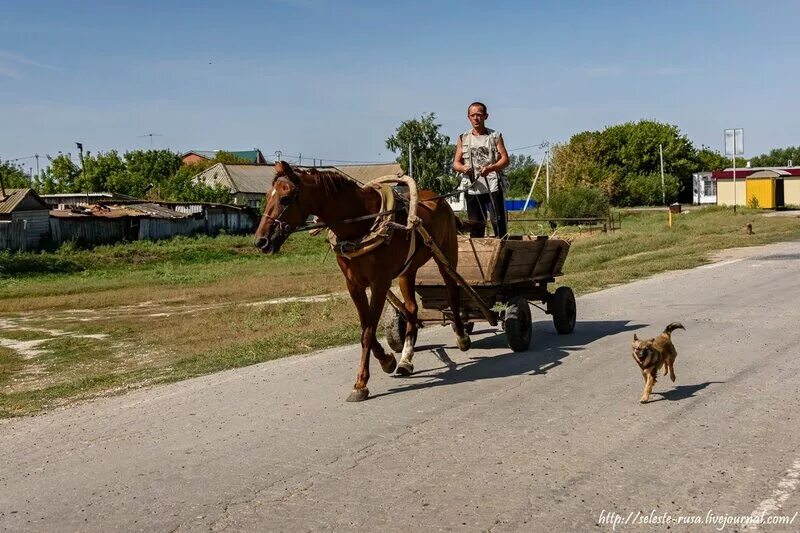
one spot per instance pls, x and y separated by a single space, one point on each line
405 369
358 395
391 366
464 343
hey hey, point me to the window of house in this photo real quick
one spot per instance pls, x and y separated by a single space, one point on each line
709 188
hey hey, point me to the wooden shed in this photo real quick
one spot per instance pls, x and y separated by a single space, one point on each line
24 219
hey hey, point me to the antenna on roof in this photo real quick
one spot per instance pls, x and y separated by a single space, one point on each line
151 135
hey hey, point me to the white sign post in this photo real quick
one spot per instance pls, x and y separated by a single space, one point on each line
734 146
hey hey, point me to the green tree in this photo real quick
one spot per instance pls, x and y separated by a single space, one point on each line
520 173
778 157
99 170
13 176
431 149
621 160
145 170
181 187
61 176
708 160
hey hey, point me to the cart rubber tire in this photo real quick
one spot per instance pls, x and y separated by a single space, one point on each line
394 327
562 307
518 324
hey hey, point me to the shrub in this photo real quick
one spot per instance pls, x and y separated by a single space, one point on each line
578 203
752 203
645 189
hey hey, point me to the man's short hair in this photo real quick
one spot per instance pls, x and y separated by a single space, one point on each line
473 104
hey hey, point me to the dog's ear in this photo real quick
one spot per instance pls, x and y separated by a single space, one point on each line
635 337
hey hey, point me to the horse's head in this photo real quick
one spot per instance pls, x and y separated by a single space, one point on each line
283 211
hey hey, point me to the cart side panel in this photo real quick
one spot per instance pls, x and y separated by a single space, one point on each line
551 261
476 258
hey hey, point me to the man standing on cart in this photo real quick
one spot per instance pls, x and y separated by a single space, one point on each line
481 156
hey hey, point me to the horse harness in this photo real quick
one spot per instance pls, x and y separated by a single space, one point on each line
392 215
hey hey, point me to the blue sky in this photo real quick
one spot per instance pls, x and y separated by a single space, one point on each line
333 79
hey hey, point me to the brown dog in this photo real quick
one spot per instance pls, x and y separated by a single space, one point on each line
650 355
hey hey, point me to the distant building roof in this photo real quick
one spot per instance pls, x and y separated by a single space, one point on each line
102 210
87 198
366 173
21 200
253 156
248 179
745 172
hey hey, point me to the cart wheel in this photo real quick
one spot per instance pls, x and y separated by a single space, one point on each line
562 307
518 324
394 326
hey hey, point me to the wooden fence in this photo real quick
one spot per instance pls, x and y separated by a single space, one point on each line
13 236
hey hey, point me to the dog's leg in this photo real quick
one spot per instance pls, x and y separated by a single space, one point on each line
666 367
648 387
672 370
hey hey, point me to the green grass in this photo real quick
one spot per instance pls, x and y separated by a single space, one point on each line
175 309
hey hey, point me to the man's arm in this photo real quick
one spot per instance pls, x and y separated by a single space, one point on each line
501 163
458 160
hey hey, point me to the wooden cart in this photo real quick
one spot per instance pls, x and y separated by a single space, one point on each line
497 280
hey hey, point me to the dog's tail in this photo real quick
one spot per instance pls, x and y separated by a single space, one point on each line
672 327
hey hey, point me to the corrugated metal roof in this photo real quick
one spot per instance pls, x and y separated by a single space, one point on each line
742 173
14 197
366 173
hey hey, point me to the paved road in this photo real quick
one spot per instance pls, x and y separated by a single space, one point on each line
550 440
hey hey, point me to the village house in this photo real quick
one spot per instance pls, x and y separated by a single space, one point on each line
253 157
24 219
249 184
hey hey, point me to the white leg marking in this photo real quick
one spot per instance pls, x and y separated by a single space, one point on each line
408 351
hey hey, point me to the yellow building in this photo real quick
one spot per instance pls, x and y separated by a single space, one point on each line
767 187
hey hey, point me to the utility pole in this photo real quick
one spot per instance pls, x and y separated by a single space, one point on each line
547 171
410 162
663 190
2 187
83 171
300 163
37 166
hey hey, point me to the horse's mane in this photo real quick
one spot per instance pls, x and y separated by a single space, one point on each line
332 181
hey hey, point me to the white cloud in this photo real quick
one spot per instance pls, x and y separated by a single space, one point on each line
10 60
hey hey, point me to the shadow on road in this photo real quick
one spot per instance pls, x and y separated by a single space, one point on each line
681 392
548 349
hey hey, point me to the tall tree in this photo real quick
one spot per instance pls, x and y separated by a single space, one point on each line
431 149
778 157
13 176
62 175
621 160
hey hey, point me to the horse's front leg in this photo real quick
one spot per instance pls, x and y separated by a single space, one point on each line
407 282
369 313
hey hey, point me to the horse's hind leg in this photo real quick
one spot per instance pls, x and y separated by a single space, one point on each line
407 282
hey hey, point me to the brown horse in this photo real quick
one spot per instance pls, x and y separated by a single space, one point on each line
335 200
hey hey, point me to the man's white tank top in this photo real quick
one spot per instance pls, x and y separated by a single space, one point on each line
479 151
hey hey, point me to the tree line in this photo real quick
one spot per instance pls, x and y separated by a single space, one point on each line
148 174
622 161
